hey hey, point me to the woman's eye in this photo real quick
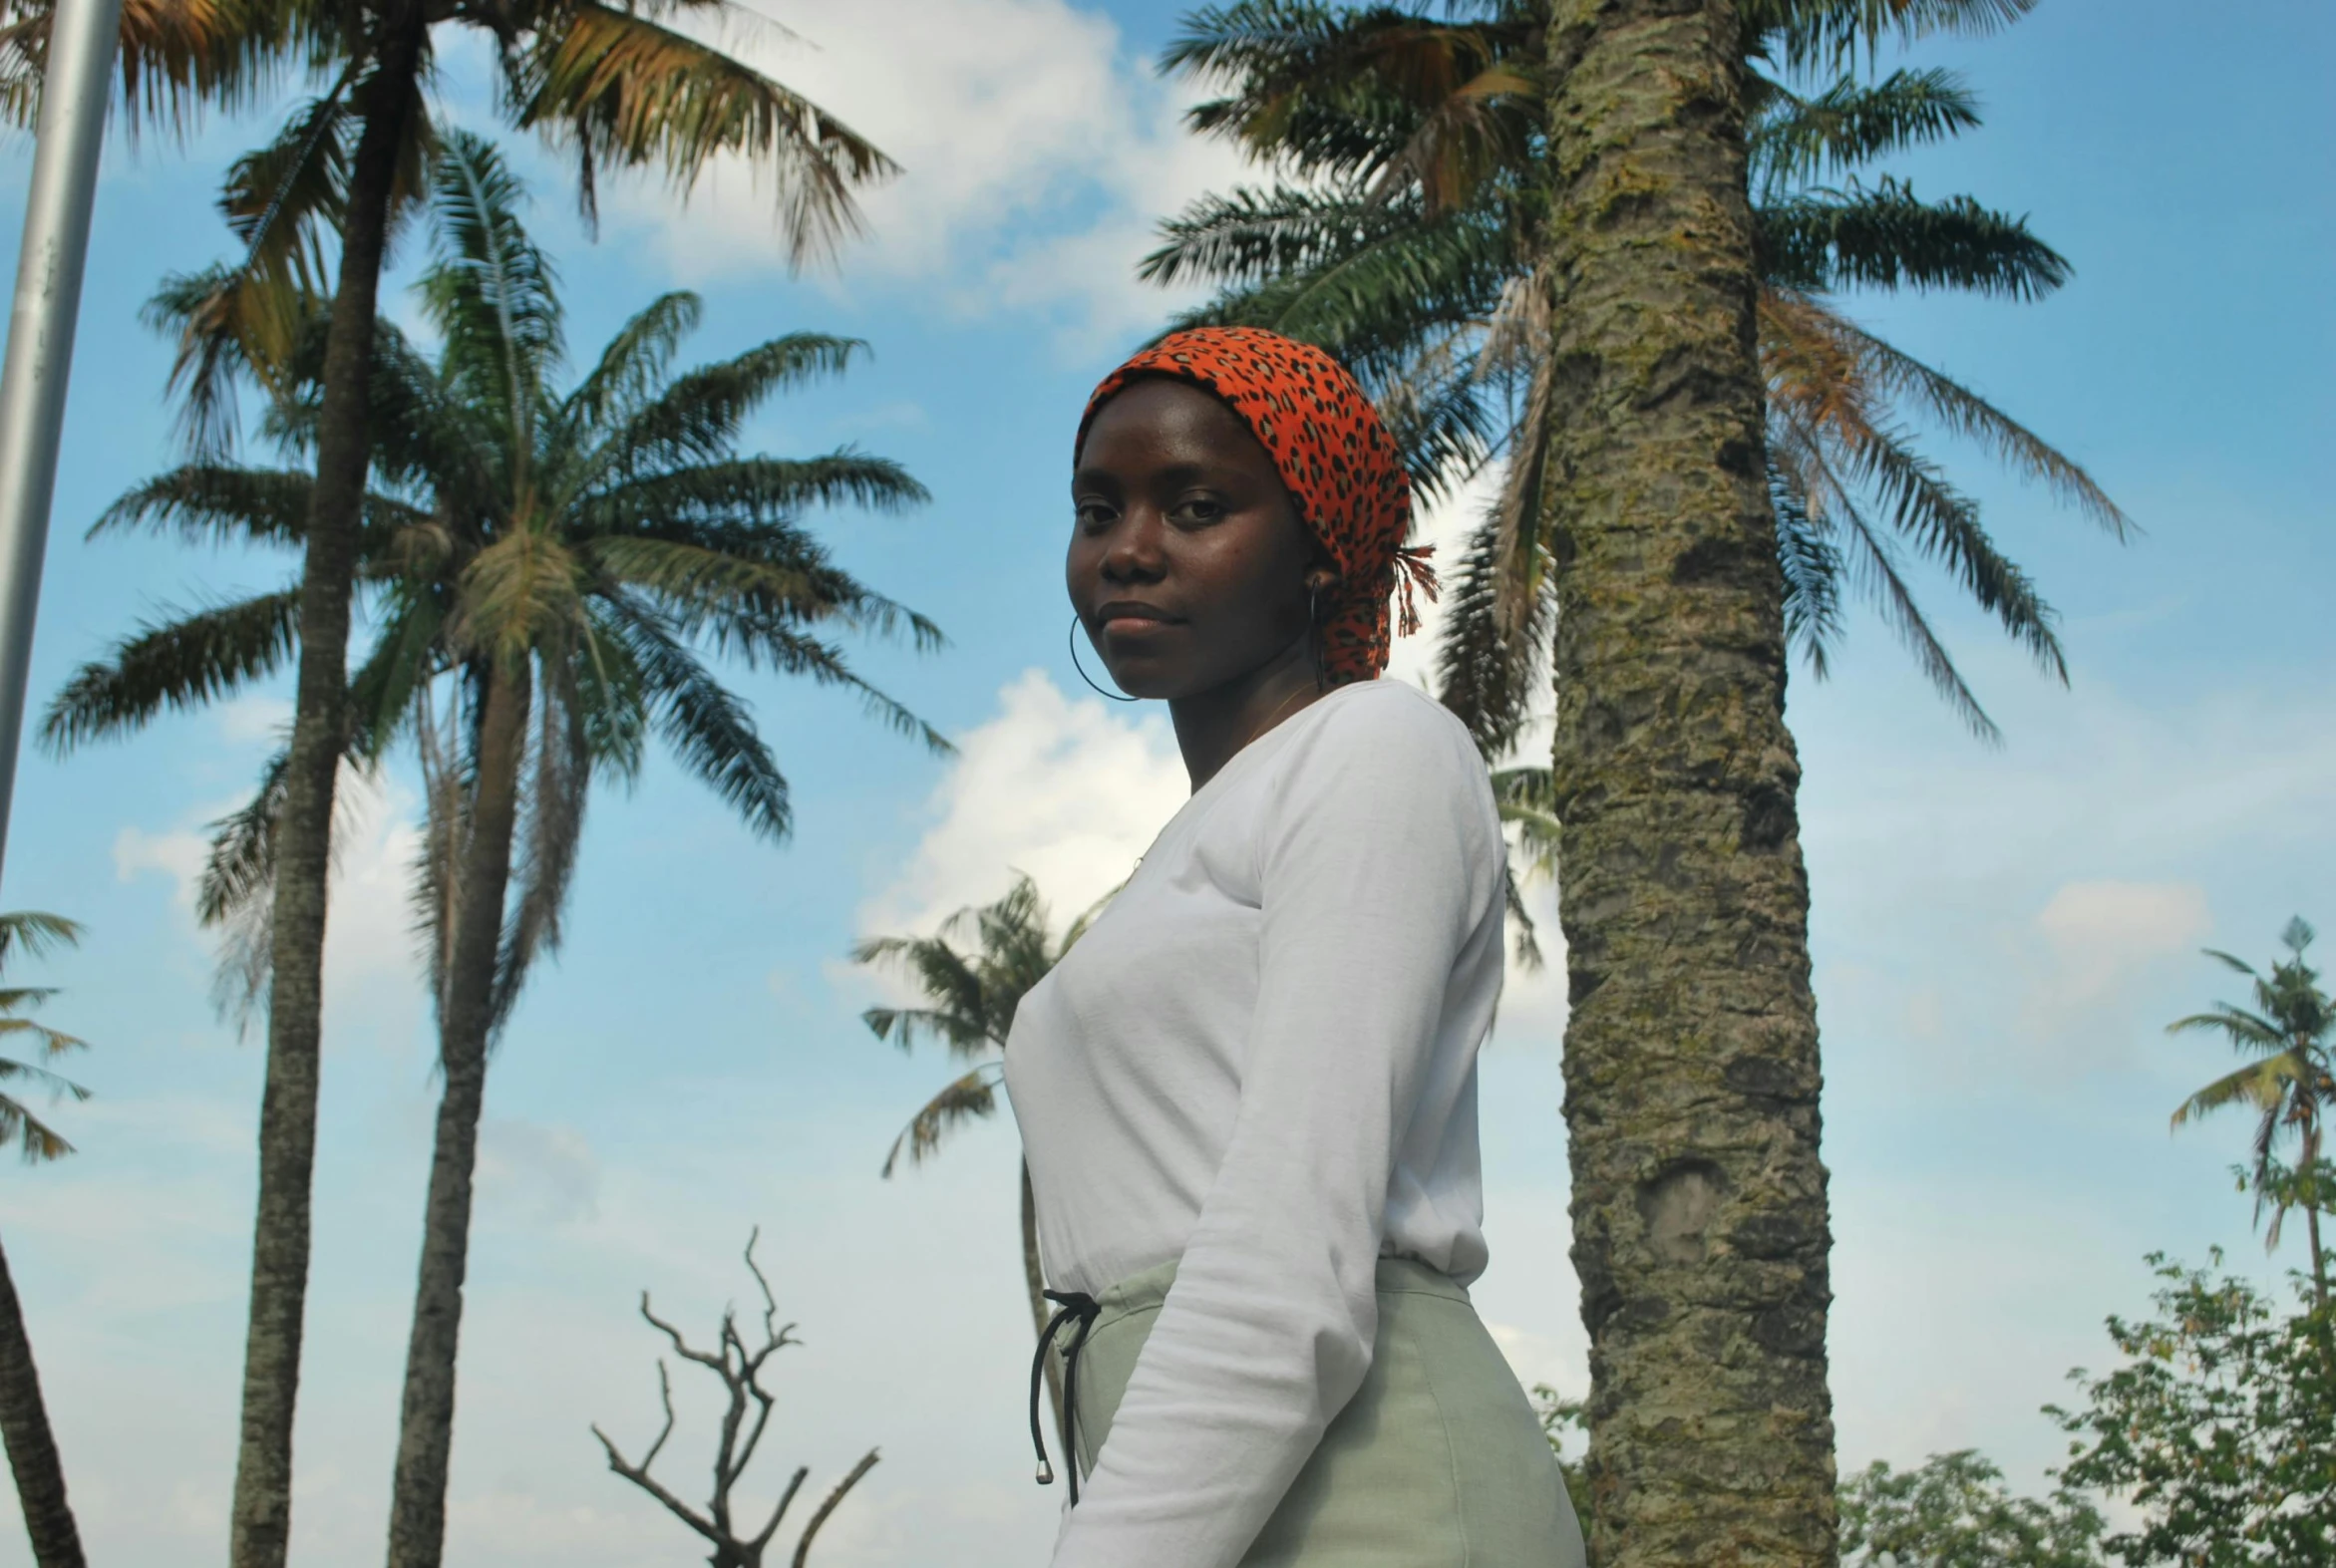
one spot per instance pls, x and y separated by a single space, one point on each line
1093 514
1200 509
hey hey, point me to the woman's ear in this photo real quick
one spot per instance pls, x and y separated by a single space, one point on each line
1320 579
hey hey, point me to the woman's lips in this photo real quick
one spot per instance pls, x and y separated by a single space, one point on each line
1130 620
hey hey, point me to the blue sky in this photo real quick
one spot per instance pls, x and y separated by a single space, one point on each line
1999 934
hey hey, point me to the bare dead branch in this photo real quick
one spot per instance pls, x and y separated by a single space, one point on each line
786 1501
638 1475
740 1367
680 1346
802 1548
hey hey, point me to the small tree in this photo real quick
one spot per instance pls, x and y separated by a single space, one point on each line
24 1416
2291 1033
1565 1420
748 1412
1954 1511
2220 1428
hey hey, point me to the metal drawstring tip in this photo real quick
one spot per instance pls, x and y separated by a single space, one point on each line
1046 1473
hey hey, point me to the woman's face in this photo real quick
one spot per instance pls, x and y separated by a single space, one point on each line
1188 565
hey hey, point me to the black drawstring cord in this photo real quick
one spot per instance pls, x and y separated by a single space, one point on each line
1084 1308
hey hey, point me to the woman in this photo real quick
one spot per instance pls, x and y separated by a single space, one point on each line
1248 1093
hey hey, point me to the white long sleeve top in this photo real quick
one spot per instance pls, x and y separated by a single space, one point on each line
1262 1060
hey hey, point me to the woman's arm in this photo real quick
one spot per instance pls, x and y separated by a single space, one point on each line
1380 864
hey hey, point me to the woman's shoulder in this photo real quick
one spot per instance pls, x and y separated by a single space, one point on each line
1387 729
1395 716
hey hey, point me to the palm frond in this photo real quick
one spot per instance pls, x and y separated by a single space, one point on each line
763 641
180 663
1884 236
620 90
35 1139
699 413
1830 33
1851 122
32 934
1873 567
172 59
2245 1030
228 324
708 729
632 367
1813 572
549 833
2261 1086
492 292
1966 414
722 500
216 504
967 1099
1488 672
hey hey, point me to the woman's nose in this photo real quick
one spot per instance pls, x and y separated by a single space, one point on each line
1135 552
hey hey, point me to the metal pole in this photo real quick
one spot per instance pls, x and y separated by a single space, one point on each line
83 35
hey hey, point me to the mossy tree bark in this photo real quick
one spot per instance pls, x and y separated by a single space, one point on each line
1691 1063
260 1524
426 1422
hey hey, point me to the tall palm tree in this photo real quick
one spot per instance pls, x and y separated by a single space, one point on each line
24 1417
1701 1235
613 84
2291 1033
545 573
970 996
1595 236
1404 234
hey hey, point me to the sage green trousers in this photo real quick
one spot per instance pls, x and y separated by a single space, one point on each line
1437 1462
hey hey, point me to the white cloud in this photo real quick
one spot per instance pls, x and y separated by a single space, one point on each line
2101 932
1037 154
1065 791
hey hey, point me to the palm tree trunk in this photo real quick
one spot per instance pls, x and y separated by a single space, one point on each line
1691 1059
261 1518
427 1417
2311 1230
32 1447
2323 1325
1034 1280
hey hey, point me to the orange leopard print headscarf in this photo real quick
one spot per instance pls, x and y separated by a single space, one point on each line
1337 461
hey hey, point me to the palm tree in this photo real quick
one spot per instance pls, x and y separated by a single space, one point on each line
2291 1033
1595 238
24 1418
970 996
613 84
544 571
1404 234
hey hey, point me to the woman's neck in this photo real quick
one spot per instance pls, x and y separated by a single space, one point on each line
1214 726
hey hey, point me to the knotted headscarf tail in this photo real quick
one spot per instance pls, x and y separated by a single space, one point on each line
1336 460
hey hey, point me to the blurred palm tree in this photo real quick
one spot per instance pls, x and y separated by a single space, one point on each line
970 994
24 1416
1402 233
621 85
2290 1084
546 573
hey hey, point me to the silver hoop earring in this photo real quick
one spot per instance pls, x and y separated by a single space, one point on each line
1082 669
